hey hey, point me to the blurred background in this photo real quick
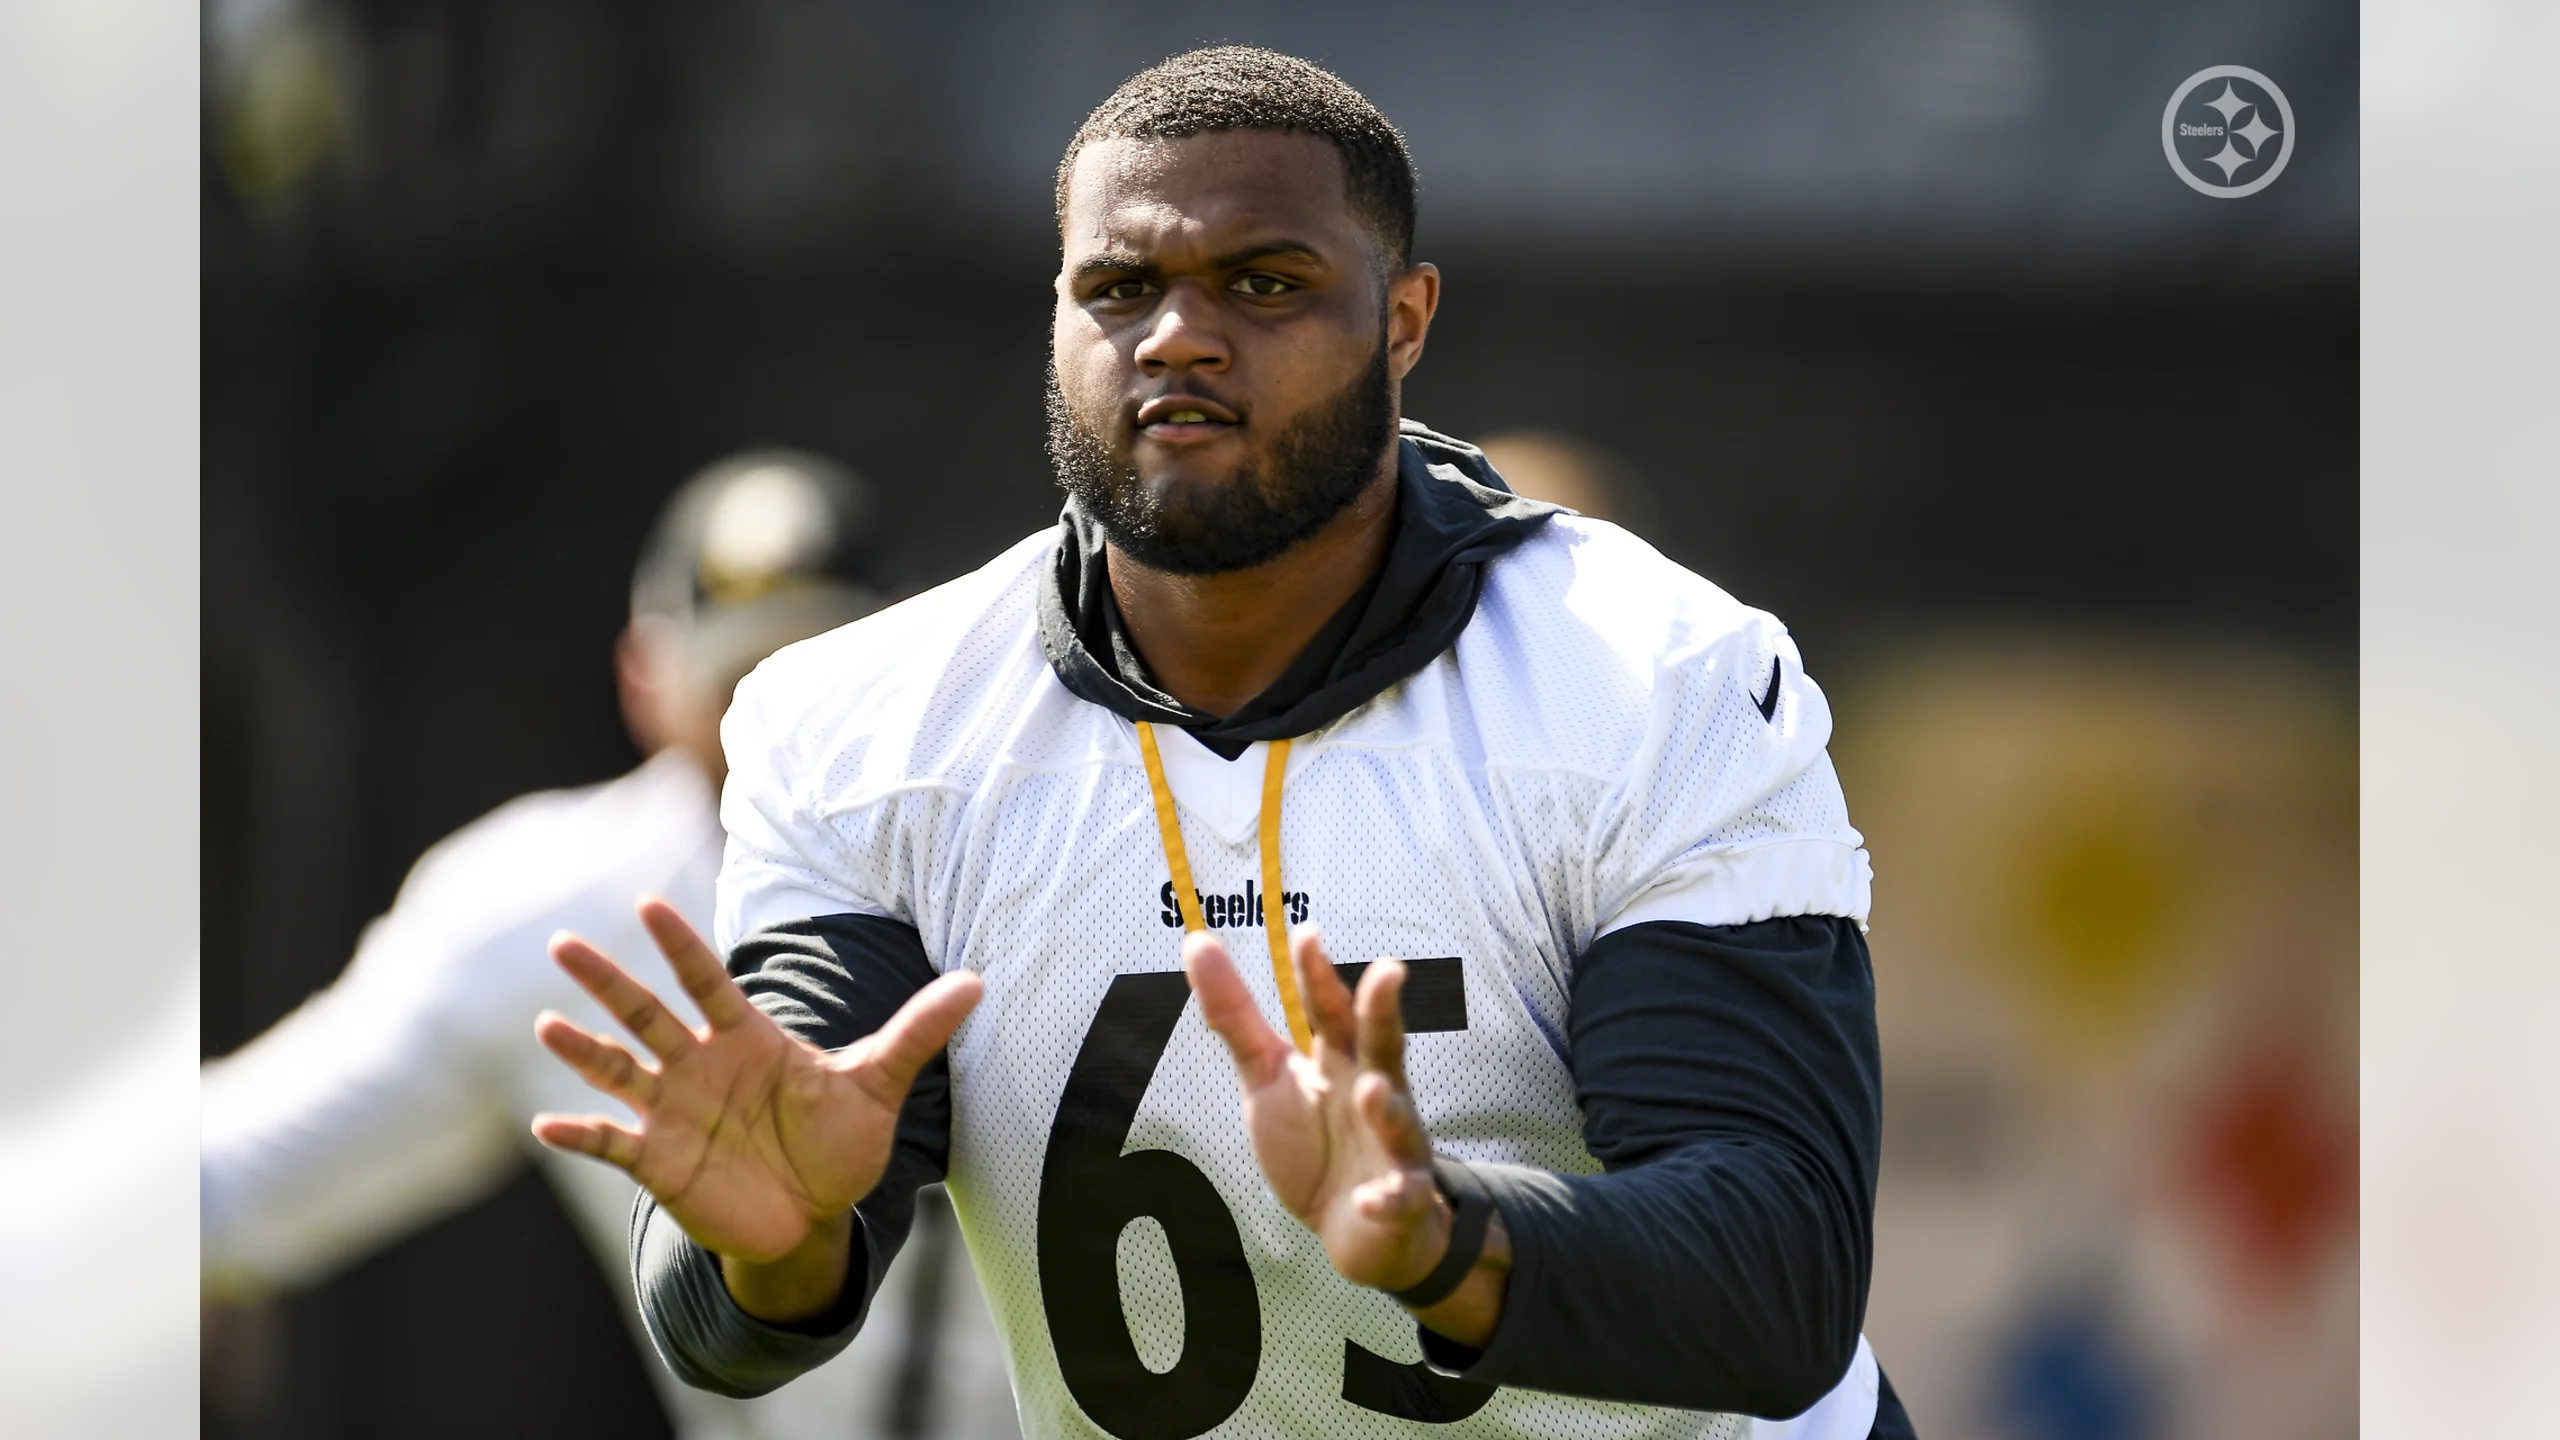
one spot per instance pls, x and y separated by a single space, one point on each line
2461 1153
98 603
1889 317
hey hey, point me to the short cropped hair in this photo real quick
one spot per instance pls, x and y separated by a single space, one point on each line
1244 87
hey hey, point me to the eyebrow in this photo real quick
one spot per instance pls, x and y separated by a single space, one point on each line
1123 262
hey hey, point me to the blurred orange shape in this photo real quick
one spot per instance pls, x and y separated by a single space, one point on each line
2273 1166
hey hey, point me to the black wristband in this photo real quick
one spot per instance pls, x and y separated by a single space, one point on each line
1473 1205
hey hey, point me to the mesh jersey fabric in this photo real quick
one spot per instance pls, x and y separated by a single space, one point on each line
1608 732
401 1093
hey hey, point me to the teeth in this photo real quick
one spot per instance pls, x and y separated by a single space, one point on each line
1186 417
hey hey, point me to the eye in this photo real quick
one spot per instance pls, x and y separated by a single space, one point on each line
1260 284
1125 289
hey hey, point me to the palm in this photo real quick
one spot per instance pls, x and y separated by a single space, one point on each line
755 1137
1334 1130
748 1136
1317 1153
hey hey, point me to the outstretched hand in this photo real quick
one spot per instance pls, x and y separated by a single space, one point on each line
1335 1130
752 1139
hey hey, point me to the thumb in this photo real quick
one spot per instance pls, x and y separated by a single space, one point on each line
1260 1053
886 1063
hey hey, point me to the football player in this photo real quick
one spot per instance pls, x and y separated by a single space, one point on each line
400 1093
1029 877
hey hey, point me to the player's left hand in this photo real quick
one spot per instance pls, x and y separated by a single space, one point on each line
1335 1130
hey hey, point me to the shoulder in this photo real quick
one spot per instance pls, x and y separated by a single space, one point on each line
921 693
1596 640
554 859
1582 585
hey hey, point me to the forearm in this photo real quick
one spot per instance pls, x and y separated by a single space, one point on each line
1470 1313
332 1134
1718 1279
1728 1078
708 1338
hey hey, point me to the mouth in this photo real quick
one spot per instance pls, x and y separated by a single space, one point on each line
1174 419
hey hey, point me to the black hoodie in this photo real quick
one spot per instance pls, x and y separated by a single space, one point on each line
1728 1075
1453 514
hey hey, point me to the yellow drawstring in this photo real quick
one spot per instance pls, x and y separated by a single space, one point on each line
1275 913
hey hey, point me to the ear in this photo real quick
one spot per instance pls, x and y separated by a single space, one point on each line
640 681
1413 297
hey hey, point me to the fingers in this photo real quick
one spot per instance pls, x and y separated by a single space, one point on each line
1260 1052
1381 1020
887 1062
1328 1003
697 966
599 1061
628 999
1389 1113
593 1135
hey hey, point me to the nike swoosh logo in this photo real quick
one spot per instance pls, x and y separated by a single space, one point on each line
1769 702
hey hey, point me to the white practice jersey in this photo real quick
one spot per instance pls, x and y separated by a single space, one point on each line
403 1091
1611 740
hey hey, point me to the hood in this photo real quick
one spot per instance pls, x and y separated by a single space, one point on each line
1453 515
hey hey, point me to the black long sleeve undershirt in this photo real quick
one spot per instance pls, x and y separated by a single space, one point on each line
1729 1082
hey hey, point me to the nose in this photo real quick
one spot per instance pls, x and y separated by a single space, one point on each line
1184 334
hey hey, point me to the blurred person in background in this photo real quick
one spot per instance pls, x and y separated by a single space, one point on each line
400 1094
1567 470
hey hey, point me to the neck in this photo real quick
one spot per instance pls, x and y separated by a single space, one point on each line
1215 641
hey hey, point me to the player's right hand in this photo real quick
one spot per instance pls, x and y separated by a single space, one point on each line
748 1136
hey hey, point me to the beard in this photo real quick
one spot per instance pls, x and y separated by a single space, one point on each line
1319 465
